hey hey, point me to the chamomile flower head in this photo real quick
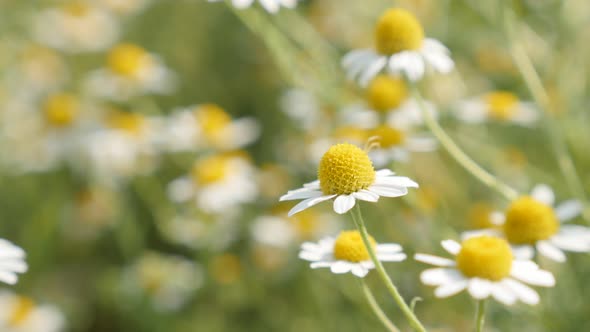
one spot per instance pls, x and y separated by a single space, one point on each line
532 223
485 266
348 253
400 48
271 6
12 262
396 144
499 106
346 174
61 109
21 314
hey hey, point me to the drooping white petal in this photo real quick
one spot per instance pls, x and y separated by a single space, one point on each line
397 181
433 45
479 288
578 242
389 248
14 265
340 267
550 251
372 70
437 55
434 260
451 246
531 274
503 294
359 270
523 292
300 194
308 203
568 210
387 191
450 289
544 194
526 114
311 256
440 276
391 257
344 203
366 195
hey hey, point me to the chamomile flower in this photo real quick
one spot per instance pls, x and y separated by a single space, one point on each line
12 262
130 71
485 266
217 183
76 27
348 253
22 314
346 174
395 144
271 6
400 47
533 223
500 106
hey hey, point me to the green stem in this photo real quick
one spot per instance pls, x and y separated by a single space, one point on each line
376 308
535 86
461 157
360 224
480 316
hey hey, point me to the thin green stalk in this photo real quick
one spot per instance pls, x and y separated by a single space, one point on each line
461 157
376 308
410 316
535 86
480 316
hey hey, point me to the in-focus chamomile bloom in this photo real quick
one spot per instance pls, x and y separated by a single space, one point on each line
348 253
207 126
485 266
21 314
12 262
130 71
401 48
168 281
346 174
533 223
500 106
77 26
271 6
217 182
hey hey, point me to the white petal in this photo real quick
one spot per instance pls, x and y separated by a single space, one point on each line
300 194
344 203
340 267
13 265
386 191
434 260
451 246
450 289
568 210
479 288
359 271
523 252
8 277
440 62
440 276
531 274
544 194
389 248
391 257
311 256
550 251
272 6
433 45
366 195
503 294
570 241
480 232
371 71
308 203
241 4
384 172
523 292
312 185
322 264
397 181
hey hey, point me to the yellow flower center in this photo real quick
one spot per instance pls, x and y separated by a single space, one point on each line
61 109
485 257
131 123
388 136
386 93
76 8
22 309
350 133
501 104
128 60
529 221
345 169
210 169
398 30
212 119
349 246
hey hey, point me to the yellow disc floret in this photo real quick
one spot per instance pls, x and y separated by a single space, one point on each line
128 60
131 123
212 120
345 169
23 307
398 30
529 221
388 136
211 169
61 109
386 93
501 104
349 246
485 257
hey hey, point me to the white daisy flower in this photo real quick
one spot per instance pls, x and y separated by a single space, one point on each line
217 183
348 253
302 107
131 71
12 262
534 224
271 6
484 266
346 174
76 27
22 314
400 47
502 106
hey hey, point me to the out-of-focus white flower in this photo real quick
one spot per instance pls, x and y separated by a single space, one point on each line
124 7
131 71
12 262
21 314
217 183
214 232
76 27
500 106
302 107
271 6
401 48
